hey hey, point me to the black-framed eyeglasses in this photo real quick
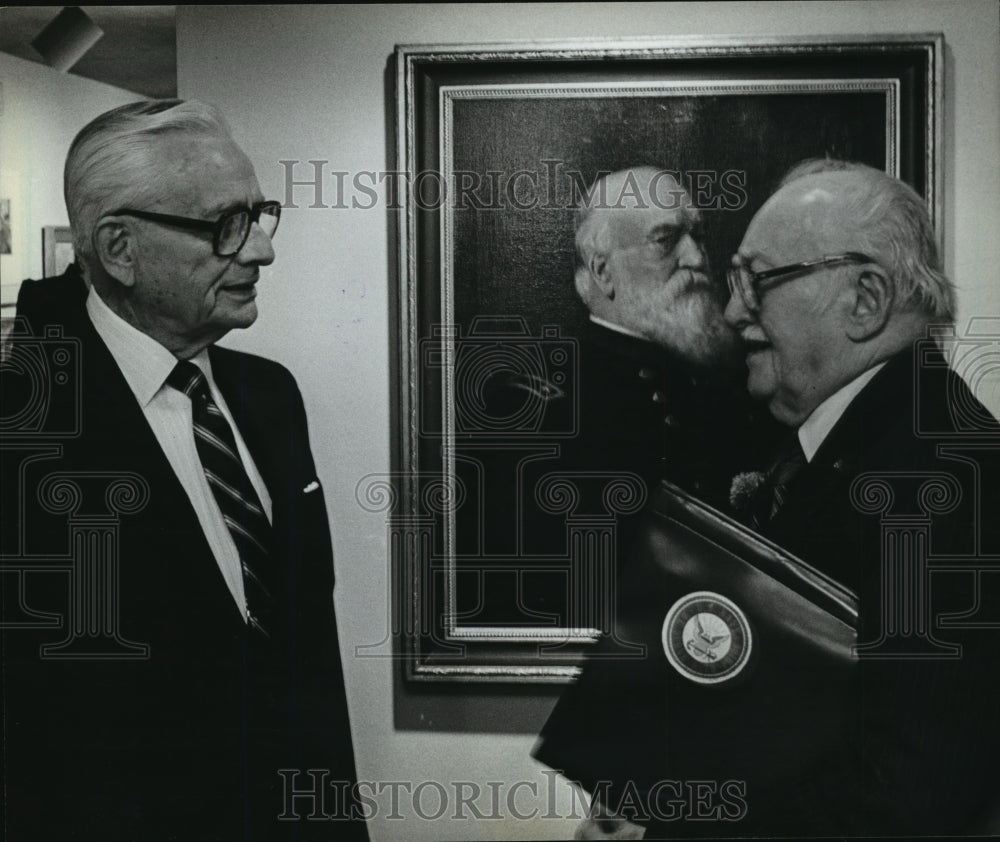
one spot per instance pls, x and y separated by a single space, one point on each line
748 285
229 232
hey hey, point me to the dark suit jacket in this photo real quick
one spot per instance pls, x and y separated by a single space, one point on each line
185 742
921 755
920 739
645 412
56 300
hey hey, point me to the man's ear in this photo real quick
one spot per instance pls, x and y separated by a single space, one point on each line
872 297
115 244
601 273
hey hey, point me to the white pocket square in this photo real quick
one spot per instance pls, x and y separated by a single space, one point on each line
311 487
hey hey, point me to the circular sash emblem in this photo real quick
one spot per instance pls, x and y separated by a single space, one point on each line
706 637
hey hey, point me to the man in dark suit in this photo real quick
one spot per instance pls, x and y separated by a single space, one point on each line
190 671
886 483
884 486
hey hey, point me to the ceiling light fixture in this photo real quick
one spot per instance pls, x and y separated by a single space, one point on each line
63 42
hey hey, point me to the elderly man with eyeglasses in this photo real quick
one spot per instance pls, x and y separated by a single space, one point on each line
194 674
884 485
886 488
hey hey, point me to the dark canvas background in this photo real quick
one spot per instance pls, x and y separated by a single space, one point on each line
520 262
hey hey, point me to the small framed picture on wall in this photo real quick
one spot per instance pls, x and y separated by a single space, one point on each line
57 249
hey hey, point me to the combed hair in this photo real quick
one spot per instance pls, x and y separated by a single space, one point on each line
893 224
590 230
111 163
591 234
813 166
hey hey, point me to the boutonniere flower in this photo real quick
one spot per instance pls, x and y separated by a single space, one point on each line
743 489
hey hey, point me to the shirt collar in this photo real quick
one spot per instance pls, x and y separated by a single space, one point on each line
821 421
144 363
617 328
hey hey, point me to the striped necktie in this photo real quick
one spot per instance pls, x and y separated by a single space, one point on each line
238 501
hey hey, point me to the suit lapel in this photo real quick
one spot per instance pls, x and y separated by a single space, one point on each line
887 395
165 553
255 410
115 418
251 408
844 453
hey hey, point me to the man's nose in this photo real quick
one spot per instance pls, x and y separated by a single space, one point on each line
737 315
690 254
257 249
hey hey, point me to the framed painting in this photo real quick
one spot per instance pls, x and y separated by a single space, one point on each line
500 574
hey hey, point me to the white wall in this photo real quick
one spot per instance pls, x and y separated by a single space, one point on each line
42 111
308 82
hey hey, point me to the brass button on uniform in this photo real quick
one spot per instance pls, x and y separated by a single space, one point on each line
659 397
646 373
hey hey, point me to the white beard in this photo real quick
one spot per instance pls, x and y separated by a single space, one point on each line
694 329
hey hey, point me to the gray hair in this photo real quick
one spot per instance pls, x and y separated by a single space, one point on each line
635 187
591 228
893 224
111 162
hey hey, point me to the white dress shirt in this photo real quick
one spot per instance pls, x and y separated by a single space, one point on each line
822 419
146 364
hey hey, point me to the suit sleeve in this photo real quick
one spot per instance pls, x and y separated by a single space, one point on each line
323 733
921 747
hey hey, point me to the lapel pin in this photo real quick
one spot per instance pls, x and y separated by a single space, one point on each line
311 487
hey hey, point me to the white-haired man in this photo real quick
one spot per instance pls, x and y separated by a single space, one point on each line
202 656
655 399
836 280
887 474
